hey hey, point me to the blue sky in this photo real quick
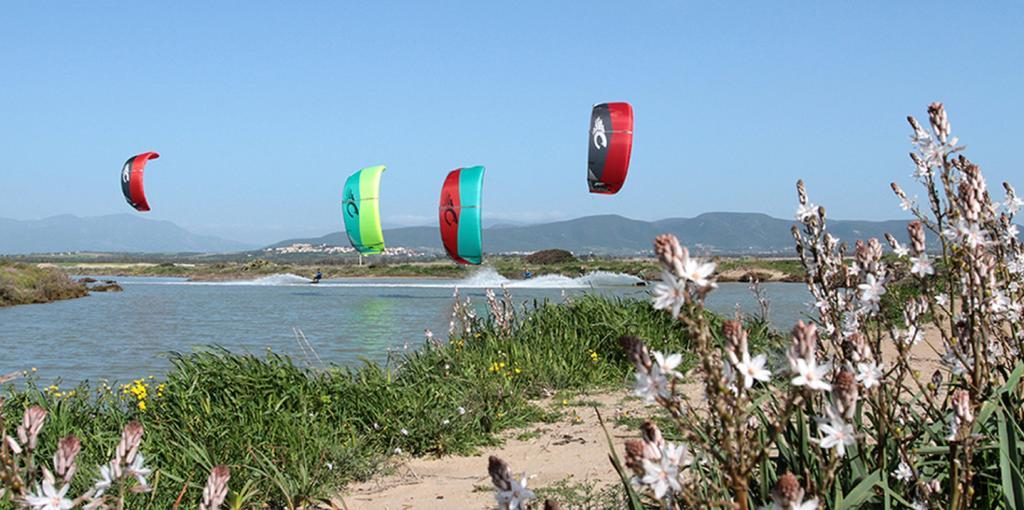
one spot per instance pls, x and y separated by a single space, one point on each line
262 109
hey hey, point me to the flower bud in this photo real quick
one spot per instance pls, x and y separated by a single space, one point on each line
915 230
788 493
939 121
844 391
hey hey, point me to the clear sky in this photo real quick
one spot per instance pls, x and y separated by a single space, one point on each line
260 110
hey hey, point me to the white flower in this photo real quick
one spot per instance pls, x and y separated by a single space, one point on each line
806 211
1013 204
913 336
670 294
812 375
461 410
677 455
1013 231
900 250
104 481
919 505
661 476
836 434
404 432
972 234
921 265
953 361
922 171
698 272
1000 303
668 365
753 369
330 466
139 470
903 472
871 290
515 497
651 385
398 451
942 299
869 374
907 204
47 497
445 422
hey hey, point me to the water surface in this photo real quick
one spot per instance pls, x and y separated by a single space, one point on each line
125 335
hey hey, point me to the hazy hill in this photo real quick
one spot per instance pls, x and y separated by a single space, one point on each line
718 232
113 233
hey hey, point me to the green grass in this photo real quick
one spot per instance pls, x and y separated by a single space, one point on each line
296 434
25 283
583 495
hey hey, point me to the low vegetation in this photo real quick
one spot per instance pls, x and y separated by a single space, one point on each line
26 283
293 432
846 414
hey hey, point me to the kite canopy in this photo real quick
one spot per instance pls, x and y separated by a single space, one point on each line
611 141
361 210
131 180
459 215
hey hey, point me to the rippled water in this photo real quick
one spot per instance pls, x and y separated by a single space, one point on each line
125 335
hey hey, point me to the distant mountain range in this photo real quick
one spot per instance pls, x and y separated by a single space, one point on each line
720 233
709 233
113 233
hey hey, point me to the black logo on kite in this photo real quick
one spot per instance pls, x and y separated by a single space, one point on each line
350 205
599 137
450 216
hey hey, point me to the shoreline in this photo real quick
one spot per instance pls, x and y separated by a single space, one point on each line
742 271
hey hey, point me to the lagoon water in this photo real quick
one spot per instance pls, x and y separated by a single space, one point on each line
126 335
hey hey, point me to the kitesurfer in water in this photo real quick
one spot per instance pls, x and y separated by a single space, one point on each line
319 275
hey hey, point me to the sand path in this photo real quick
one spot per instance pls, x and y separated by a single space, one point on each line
573 450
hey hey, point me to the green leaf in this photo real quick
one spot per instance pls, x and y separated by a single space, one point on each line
1009 460
634 499
895 495
860 494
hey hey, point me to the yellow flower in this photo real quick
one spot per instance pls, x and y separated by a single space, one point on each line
142 405
593 355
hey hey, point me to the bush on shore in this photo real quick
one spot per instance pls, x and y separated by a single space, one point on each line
26 283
